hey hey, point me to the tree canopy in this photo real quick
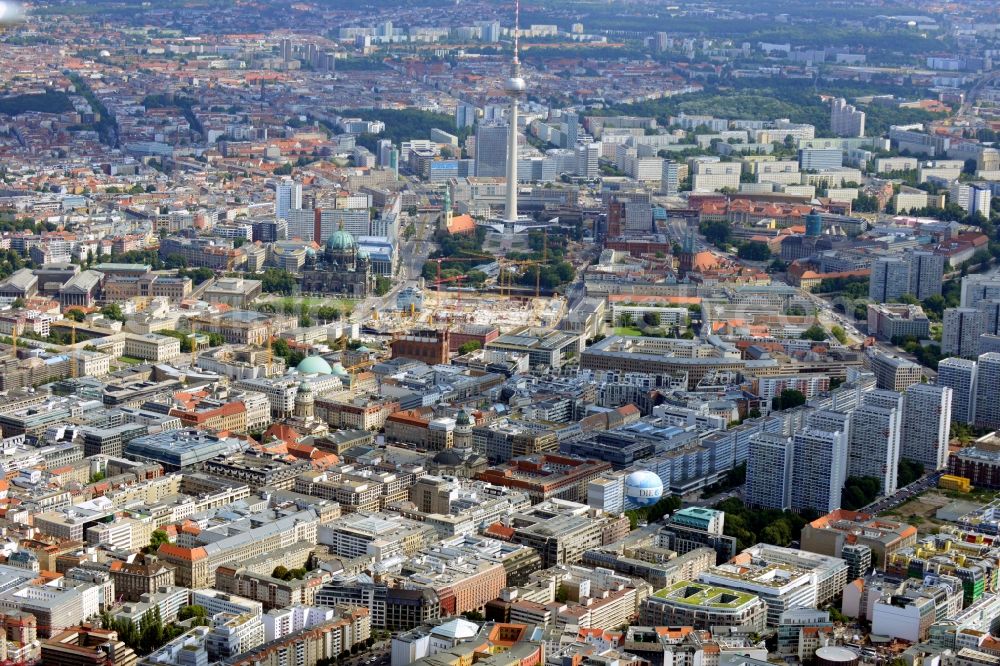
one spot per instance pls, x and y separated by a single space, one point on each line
816 333
754 251
752 526
46 102
789 398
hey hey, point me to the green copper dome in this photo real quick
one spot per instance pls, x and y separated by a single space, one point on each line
314 365
340 241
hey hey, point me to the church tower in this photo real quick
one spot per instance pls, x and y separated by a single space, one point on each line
447 208
463 431
304 403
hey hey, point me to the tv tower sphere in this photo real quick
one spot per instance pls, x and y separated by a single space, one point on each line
515 86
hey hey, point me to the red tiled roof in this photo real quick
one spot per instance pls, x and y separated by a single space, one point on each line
500 531
180 553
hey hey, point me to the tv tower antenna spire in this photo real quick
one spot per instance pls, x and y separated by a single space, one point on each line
517 29
514 88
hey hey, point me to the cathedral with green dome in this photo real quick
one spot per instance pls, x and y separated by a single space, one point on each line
341 268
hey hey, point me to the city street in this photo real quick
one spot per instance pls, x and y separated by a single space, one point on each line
380 654
413 254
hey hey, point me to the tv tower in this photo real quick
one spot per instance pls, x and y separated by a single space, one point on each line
514 89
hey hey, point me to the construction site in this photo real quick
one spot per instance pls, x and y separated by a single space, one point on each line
441 309
455 308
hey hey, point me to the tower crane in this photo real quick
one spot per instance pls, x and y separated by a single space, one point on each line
457 279
508 283
465 259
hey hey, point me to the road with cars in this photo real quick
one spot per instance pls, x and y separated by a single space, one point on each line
412 256
904 494
380 654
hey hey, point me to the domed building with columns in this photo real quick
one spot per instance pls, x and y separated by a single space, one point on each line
341 268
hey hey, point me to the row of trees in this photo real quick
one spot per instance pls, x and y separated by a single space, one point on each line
281 348
106 126
382 285
860 491
648 319
187 342
928 355
752 526
47 102
853 287
197 275
649 325
15 224
278 281
788 399
651 514
463 252
816 333
151 633
12 261
304 310
754 251
548 276
283 573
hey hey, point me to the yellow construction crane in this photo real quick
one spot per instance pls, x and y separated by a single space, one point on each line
352 371
505 279
538 267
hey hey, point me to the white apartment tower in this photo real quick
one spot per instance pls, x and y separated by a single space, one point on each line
959 375
961 331
926 273
990 310
288 196
818 472
977 288
926 425
769 472
970 198
588 158
845 120
873 448
670 180
889 280
988 391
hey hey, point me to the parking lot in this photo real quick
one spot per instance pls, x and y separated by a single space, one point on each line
380 654
904 494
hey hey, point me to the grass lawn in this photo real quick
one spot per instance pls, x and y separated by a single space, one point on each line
131 361
345 305
920 511
628 330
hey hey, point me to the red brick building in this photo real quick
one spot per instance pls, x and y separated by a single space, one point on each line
473 333
427 345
